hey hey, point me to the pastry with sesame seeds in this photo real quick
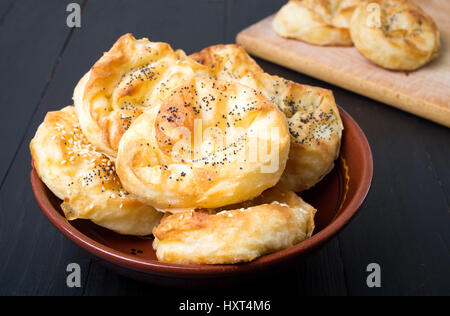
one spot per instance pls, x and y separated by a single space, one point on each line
314 122
210 144
85 179
274 221
132 75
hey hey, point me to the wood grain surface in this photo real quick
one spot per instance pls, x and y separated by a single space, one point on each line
403 225
424 92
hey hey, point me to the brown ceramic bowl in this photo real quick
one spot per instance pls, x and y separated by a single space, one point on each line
337 198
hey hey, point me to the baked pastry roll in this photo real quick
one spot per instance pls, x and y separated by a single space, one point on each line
85 179
208 145
314 122
132 75
319 22
395 34
274 221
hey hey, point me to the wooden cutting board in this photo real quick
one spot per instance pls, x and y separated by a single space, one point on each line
425 92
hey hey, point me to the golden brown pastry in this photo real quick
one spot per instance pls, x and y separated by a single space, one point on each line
210 144
274 221
132 75
395 34
85 179
319 22
313 118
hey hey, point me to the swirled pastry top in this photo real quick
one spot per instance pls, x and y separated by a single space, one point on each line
395 34
274 221
85 179
314 122
132 75
209 144
319 22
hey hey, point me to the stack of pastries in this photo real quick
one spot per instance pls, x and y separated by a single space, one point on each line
394 34
204 152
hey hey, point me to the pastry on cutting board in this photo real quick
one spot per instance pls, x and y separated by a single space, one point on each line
395 34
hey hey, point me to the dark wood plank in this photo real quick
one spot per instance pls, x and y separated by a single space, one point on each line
405 217
438 155
404 223
186 25
6 7
243 13
323 273
28 239
32 38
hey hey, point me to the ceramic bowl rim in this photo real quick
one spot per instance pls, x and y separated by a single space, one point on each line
176 270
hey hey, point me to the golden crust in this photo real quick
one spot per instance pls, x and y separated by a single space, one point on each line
406 38
85 179
229 59
132 75
210 144
274 221
314 122
319 22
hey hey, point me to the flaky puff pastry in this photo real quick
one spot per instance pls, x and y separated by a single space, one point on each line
314 122
395 34
210 144
319 22
132 75
274 221
85 179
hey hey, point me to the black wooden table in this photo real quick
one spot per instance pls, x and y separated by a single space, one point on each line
403 226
